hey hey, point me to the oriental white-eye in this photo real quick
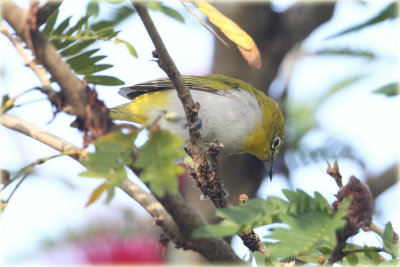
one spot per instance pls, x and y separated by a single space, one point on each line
232 111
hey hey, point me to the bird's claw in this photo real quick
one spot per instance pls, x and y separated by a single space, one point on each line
196 124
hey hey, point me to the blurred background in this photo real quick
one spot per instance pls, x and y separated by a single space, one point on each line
324 82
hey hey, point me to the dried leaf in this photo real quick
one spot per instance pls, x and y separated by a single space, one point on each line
252 56
245 43
97 193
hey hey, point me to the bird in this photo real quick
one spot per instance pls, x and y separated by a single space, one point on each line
233 112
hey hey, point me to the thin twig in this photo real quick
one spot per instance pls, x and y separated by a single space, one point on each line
152 206
73 89
36 132
40 71
215 249
372 249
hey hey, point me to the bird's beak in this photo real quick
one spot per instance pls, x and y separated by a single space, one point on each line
268 165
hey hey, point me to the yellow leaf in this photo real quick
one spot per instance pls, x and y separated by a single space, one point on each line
3 205
245 43
97 193
227 26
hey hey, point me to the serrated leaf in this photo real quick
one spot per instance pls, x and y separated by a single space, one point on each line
103 80
131 49
390 12
112 152
93 8
50 23
156 158
255 212
309 230
97 193
159 6
391 89
76 48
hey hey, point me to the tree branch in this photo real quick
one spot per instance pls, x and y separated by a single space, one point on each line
207 180
73 89
40 72
36 132
168 66
214 249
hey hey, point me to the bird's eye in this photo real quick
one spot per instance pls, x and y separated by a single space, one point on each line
275 143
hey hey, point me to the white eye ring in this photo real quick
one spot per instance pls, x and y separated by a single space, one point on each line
276 143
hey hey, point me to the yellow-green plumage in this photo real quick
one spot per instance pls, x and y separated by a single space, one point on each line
232 111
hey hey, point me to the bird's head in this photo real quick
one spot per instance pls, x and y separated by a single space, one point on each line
266 139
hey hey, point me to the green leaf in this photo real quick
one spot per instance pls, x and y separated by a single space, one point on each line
76 48
50 23
347 52
391 89
103 80
390 12
82 65
106 33
78 25
388 235
156 158
93 69
112 153
352 258
93 9
97 193
81 62
131 49
365 255
159 6
255 212
311 228
392 262
344 83
63 25
115 17
85 55
389 246
311 224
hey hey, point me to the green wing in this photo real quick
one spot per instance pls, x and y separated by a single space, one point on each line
216 84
